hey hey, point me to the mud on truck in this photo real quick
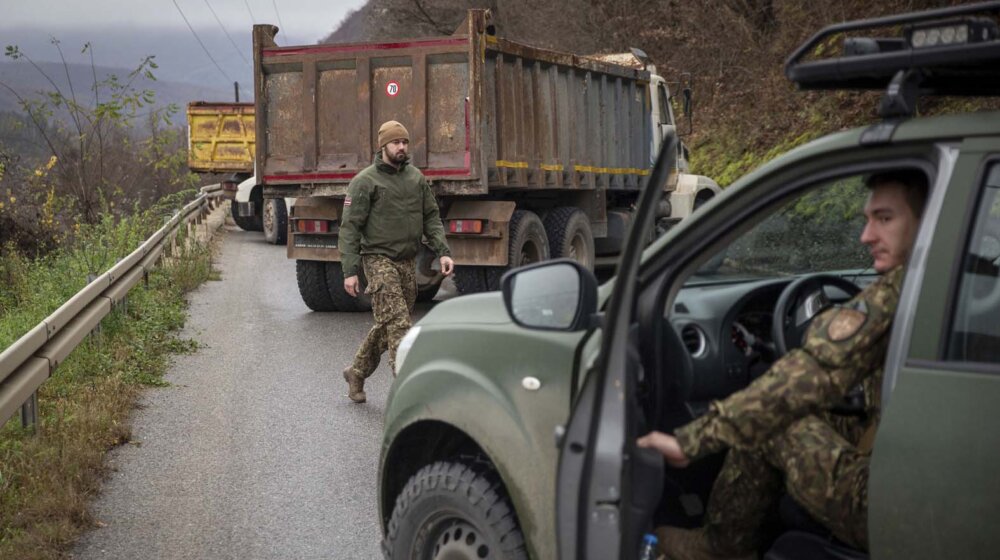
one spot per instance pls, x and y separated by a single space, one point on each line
533 154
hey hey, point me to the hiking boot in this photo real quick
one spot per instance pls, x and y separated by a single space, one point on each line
355 386
691 544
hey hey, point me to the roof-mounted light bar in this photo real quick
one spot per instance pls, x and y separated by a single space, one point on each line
951 33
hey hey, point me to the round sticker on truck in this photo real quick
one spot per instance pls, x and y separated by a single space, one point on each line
392 89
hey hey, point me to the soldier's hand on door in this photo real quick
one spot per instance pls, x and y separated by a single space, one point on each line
668 446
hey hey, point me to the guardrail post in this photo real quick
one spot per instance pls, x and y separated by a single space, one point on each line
29 412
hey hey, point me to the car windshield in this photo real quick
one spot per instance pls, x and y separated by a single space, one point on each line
817 231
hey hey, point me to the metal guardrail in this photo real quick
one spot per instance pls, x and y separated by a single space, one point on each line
30 360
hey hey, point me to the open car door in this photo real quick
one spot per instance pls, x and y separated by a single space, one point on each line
598 515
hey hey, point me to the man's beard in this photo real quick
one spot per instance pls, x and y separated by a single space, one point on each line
398 158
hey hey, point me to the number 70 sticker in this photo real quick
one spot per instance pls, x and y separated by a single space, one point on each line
392 89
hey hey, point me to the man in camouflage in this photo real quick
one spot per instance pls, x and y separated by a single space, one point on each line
388 209
780 431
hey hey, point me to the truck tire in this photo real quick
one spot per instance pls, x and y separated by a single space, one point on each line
570 235
454 510
528 244
470 279
257 198
311 276
341 299
275 220
246 223
427 293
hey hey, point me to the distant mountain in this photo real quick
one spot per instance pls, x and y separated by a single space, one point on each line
28 82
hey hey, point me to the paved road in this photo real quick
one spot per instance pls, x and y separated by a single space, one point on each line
254 451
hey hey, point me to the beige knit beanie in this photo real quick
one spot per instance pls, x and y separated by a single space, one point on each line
391 130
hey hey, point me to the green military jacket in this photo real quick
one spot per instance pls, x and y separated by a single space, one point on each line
843 347
386 212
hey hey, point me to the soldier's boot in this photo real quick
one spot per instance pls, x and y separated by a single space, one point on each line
355 385
676 543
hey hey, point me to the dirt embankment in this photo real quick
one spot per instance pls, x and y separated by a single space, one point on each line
731 51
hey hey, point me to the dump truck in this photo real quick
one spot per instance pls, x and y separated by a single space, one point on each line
221 140
532 153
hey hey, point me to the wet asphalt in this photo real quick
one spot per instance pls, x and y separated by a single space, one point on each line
253 451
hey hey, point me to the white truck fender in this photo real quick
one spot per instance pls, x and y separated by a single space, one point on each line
244 188
691 191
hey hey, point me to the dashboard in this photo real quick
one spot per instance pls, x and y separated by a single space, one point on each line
726 330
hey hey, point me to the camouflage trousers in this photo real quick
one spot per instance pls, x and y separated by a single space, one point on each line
392 286
813 463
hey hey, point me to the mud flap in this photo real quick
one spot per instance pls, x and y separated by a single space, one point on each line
488 248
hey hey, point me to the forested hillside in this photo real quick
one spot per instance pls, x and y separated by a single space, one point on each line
733 52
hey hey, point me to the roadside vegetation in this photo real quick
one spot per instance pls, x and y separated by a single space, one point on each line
86 175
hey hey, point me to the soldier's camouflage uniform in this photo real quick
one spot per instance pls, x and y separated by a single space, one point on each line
782 436
392 286
386 213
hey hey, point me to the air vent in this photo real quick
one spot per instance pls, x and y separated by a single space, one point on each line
694 340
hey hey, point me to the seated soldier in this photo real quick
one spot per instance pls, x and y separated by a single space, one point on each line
779 431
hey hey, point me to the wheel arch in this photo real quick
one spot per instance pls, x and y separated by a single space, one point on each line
417 445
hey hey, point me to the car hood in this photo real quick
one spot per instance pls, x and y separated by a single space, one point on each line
486 308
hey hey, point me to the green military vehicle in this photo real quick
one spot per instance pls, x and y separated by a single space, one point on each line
510 430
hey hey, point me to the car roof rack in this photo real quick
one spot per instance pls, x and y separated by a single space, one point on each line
948 51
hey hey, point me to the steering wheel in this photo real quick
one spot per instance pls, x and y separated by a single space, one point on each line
798 303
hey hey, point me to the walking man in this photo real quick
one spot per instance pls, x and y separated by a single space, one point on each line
388 209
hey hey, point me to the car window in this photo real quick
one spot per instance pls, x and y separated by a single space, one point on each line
814 232
975 330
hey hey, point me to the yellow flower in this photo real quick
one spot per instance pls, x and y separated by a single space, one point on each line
39 173
51 163
1 205
13 199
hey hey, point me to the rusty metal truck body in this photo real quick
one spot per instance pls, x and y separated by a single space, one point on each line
532 153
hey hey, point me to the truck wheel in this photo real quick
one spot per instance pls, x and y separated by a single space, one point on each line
246 223
427 293
275 221
528 244
570 235
341 299
470 279
453 510
311 276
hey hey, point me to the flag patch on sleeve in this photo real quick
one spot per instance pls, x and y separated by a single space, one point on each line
347 201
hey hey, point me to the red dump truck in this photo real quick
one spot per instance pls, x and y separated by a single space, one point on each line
532 153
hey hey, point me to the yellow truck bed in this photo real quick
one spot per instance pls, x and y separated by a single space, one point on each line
220 137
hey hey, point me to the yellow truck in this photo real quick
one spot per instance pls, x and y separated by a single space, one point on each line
221 140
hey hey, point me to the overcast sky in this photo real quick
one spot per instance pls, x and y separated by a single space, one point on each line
311 19
122 32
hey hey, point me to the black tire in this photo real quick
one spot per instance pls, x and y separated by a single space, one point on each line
570 235
454 510
341 299
275 221
528 244
427 293
311 277
246 223
470 279
257 198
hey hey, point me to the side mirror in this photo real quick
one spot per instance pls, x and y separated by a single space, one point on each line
557 295
686 94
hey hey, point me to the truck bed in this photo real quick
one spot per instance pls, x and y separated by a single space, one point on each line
484 114
220 137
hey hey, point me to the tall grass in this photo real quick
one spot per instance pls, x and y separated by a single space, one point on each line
48 476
